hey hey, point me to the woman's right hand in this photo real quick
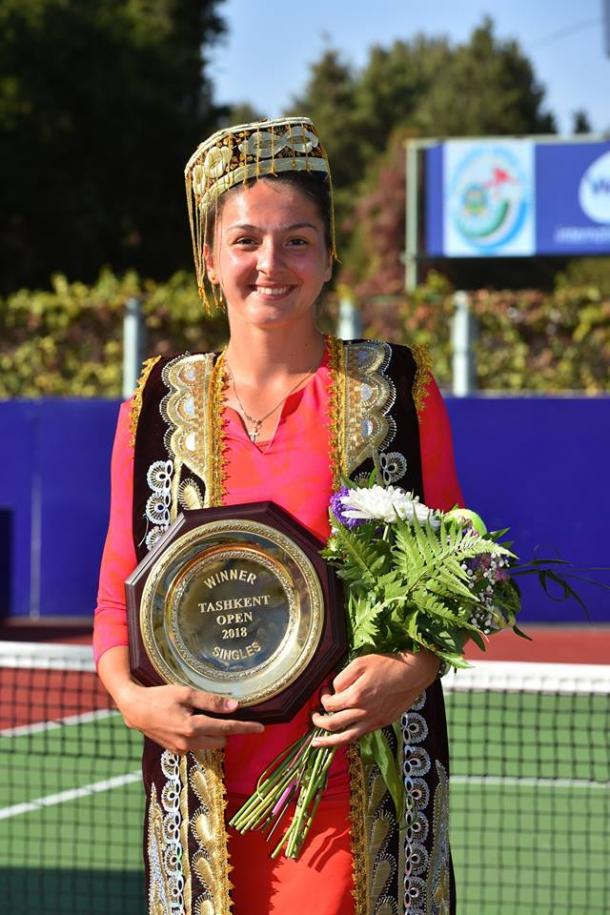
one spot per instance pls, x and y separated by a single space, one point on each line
171 716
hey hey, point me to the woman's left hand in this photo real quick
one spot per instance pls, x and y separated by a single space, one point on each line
372 692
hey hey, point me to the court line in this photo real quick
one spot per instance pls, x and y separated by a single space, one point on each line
527 782
129 778
71 794
40 726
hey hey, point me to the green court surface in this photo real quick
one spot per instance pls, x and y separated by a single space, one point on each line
530 802
79 849
530 810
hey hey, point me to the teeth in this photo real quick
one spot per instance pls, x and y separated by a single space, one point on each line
273 290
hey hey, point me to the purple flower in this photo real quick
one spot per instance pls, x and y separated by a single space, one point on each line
336 507
501 575
482 562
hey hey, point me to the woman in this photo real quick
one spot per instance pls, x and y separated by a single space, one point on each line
280 415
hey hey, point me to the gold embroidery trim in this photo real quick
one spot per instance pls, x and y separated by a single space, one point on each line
369 397
438 884
336 410
360 858
209 827
136 403
184 833
216 457
211 860
185 410
193 410
423 372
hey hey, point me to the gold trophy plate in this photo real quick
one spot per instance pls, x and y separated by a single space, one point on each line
237 601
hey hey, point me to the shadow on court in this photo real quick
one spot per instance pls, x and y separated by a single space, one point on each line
71 892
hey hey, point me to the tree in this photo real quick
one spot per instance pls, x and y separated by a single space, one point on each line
580 122
425 87
373 260
100 105
393 85
487 88
329 99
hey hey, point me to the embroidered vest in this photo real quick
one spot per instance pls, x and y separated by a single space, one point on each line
377 391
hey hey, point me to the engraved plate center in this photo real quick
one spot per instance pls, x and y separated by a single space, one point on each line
231 609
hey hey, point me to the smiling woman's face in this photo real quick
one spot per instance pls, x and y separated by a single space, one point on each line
270 255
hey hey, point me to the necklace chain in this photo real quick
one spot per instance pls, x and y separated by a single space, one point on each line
254 433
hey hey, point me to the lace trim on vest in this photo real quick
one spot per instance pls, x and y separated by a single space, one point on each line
164 849
368 396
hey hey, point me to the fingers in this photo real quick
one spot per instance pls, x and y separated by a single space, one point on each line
175 721
340 739
340 721
344 699
348 675
342 727
198 732
211 702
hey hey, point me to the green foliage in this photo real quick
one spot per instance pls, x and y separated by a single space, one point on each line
101 103
528 340
488 87
418 88
411 589
592 273
329 98
409 586
69 341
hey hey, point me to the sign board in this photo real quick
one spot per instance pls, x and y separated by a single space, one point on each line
517 198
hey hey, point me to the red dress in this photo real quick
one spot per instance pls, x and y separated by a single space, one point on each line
293 471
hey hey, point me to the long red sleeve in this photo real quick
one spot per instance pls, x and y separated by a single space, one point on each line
119 557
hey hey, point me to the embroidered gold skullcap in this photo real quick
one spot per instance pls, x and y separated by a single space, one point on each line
238 154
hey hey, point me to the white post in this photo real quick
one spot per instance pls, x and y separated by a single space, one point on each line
133 345
349 325
463 336
412 204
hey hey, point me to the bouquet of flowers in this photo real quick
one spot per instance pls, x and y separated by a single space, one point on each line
415 579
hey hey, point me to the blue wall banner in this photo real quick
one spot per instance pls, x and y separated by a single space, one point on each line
517 198
535 464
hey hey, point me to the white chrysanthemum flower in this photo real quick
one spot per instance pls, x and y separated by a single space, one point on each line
388 504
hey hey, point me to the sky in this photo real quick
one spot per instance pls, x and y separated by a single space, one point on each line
265 57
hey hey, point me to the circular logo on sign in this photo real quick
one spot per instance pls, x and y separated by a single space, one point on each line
488 198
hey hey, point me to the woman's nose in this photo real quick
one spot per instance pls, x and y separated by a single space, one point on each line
269 255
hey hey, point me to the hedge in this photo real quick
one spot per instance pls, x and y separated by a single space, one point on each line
68 341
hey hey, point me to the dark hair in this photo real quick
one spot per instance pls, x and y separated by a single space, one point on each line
313 185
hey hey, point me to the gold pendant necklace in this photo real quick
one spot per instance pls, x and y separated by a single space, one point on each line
254 433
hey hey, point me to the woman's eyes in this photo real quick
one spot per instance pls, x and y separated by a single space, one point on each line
248 241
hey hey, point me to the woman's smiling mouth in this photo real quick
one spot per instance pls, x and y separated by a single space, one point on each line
273 291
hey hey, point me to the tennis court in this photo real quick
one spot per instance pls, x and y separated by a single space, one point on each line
530 795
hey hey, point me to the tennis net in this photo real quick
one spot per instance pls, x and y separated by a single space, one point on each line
530 788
